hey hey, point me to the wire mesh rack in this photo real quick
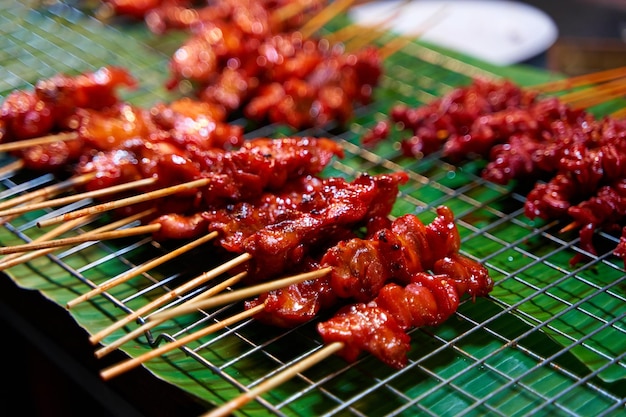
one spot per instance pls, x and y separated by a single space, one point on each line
549 340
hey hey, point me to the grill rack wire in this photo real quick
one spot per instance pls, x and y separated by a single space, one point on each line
549 340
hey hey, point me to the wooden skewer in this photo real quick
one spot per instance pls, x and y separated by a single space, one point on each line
140 269
76 197
591 101
57 231
43 140
11 168
278 379
581 80
15 259
151 324
400 42
187 286
569 227
6 219
46 192
347 33
619 114
91 237
323 17
288 11
596 94
129 364
238 295
112 205
365 37
357 36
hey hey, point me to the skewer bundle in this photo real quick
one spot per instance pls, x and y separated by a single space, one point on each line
386 273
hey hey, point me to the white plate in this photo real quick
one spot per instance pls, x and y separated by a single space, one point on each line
499 32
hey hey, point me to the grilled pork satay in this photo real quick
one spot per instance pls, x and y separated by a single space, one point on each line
193 124
252 170
606 210
237 221
276 76
379 321
279 247
51 108
452 117
580 173
281 228
157 165
380 326
228 176
87 115
310 88
260 163
52 103
279 14
362 266
552 142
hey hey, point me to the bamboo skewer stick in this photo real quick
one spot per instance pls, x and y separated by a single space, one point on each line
288 11
348 33
199 280
15 259
45 192
140 269
400 42
111 205
581 80
11 168
619 114
356 36
43 140
132 363
57 231
595 95
601 98
323 17
91 237
365 37
6 219
278 379
151 324
77 197
129 364
569 227
238 295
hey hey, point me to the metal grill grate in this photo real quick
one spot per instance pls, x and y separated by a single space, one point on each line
550 340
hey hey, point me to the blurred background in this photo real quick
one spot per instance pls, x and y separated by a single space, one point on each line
591 35
572 37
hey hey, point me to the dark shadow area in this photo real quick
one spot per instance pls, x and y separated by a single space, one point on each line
49 368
